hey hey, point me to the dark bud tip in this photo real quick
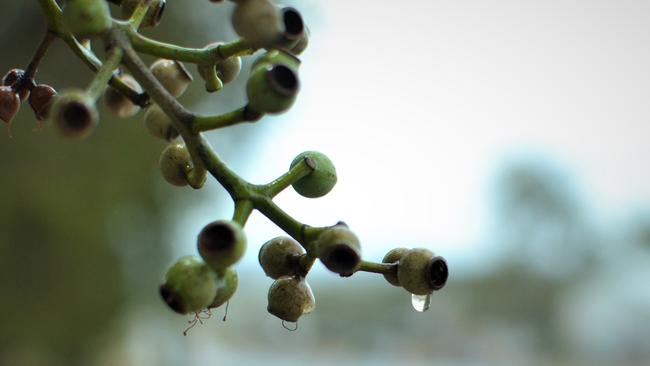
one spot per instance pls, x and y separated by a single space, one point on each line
283 80
217 237
294 27
9 104
437 273
341 259
41 99
16 79
171 301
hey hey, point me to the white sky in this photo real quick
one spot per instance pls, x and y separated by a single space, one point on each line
419 103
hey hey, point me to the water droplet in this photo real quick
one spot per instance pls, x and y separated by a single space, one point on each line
421 303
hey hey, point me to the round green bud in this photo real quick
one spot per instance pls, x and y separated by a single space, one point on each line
226 287
174 164
87 18
118 103
189 285
258 22
172 75
40 99
73 114
322 178
221 244
290 298
278 57
272 88
153 16
420 272
279 256
9 103
393 257
159 124
339 250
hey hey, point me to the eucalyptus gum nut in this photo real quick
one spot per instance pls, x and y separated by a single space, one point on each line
339 250
290 298
301 45
272 89
172 75
189 285
321 180
153 16
221 244
9 104
279 256
87 18
40 100
74 114
158 124
228 69
258 22
118 103
293 28
226 287
174 164
393 256
278 57
420 272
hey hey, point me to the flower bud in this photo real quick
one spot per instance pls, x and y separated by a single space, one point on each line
279 256
159 124
74 114
339 250
9 104
226 287
272 88
290 298
321 180
393 256
221 244
301 45
41 99
293 28
420 272
172 75
228 69
174 164
14 76
189 285
154 13
87 18
118 103
258 22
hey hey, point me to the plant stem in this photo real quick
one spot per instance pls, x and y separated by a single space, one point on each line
105 73
139 13
32 68
207 123
296 173
243 210
382 268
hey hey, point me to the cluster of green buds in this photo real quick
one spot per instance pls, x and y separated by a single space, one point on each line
278 35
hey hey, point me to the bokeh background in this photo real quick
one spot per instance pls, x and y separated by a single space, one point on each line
510 136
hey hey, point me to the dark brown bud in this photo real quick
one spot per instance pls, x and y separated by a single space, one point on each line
41 99
16 79
9 103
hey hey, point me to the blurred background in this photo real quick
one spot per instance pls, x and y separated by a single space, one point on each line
510 136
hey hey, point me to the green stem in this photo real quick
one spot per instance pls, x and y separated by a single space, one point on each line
105 73
382 268
243 210
139 13
208 123
52 14
296 173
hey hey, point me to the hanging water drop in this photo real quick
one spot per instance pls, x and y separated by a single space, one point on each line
421 303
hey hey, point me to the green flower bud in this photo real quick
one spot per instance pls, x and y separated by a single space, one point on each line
172 75
226 287
228 69
393 256
118 103
87 18
189 285
301 45
159 124
9 103
272 88
278 57
174 163
153 16
279 256
322 178
258 22
221 244
40 99
420 272
339 250
290 298
74 114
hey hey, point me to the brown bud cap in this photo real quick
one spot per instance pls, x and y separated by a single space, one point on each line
16 78
41 99
9 103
